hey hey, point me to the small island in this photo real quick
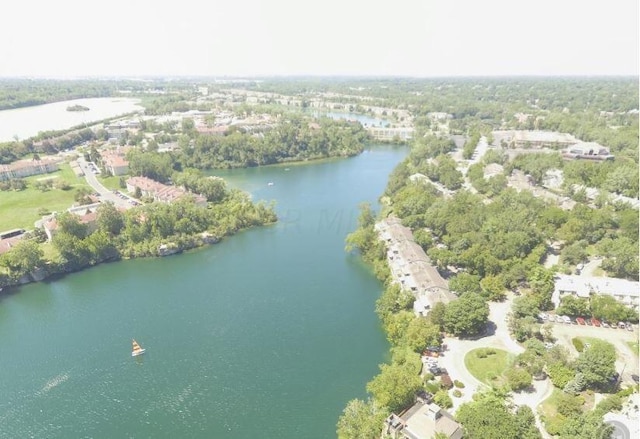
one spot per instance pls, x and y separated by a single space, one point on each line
77 108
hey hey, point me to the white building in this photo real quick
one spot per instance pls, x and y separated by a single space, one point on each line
624 291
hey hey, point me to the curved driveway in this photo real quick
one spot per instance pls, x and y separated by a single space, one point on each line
104 193
453 361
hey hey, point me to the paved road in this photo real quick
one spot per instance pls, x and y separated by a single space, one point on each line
105 194
627 359
453 361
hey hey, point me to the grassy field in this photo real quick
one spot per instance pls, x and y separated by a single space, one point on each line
548 407
635 347
489 370
20 209
112 182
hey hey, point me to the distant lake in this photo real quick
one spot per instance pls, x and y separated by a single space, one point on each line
366 121
29 121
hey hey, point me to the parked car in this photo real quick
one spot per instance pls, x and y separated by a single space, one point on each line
435 370
622 325
580 321
433 348
605 324
566 319
595 321
629 327
559 319
543 316
588 322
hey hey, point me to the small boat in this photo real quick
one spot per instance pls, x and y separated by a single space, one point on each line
137 349
270 183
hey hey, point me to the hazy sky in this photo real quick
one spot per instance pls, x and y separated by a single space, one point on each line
292 37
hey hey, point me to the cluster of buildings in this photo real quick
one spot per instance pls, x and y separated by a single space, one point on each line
572 148
411 268
161 192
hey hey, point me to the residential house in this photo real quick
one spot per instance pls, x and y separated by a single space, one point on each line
587 151
423 420
411 268
26 168
534 139
624 291
114 161
86 215
161 192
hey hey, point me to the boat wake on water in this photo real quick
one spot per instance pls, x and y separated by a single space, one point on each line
53 383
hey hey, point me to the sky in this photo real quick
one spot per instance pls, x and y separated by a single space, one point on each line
424 38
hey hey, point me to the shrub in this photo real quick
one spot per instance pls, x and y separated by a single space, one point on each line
518 379
457 393
490 351
445 382
443 399
481 353
432 387
458 384
428 377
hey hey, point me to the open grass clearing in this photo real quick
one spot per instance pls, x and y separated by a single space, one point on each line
489 369
20 209
112 182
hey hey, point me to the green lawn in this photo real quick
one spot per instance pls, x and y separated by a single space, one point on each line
490 369
635 347
547 407
20 209
112 182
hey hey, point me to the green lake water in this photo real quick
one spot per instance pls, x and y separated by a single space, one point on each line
265 335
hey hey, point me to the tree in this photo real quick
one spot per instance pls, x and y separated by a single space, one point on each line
394 387
576 385
22 259
393 300
487 416
361 420
526 423
493 288
609 309
468 315
597 363
525 306
69 223
82 195
110 219
437 314
573 306
518 378
465 283
521 328
422 333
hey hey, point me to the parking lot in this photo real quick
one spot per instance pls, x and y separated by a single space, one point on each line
584 321
627 362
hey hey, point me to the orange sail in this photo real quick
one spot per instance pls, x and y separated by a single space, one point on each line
137 349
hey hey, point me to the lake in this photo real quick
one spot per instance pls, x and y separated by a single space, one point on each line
20 122
267 334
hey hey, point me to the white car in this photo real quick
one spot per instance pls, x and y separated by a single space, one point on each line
543 316
559 319
566 319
